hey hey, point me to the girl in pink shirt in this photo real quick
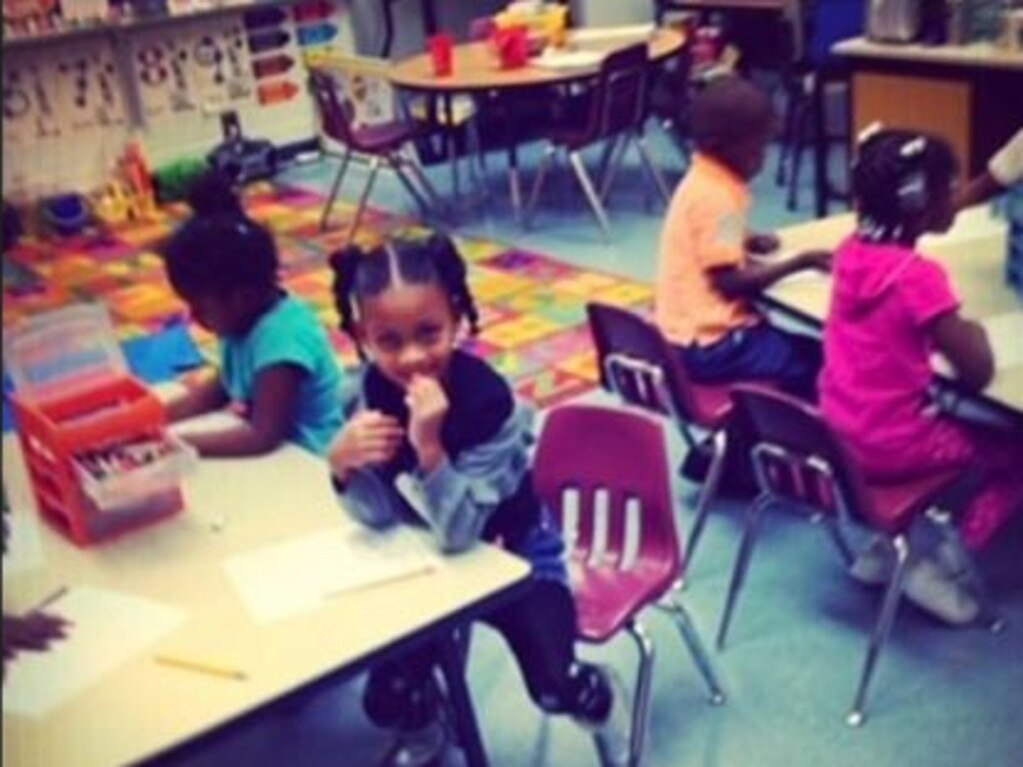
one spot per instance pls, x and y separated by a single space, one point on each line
891 308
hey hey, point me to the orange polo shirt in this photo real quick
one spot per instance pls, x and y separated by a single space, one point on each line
705 228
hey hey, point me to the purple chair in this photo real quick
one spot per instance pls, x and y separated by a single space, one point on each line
801 463
384 144
639 365
613 109
619 531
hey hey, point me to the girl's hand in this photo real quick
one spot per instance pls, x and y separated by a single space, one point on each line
428 405
369 438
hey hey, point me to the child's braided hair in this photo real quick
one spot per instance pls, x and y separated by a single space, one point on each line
434 259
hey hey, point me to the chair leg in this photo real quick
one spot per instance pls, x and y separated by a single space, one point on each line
641 697
648 162
838 538
399 171
591 194
374 168
967 568
609 170
541 172
707 493
742 561
673 606
882 628
335 188
796 155
424 184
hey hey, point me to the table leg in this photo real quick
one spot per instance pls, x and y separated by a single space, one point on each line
449 124
820 145
513 182
453 668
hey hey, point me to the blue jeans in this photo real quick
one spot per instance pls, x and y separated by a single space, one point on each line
761 352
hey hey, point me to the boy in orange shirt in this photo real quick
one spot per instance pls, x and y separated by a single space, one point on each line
705 280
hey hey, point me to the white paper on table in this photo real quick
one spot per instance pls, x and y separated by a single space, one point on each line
1005 332
107 629
551 59
601 34
298 575
24 546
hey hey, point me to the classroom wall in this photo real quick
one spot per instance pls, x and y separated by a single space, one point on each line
453 16
600 13
168 84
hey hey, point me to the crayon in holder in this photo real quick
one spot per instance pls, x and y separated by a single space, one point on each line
74 399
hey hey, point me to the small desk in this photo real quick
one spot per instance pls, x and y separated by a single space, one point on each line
967 94
142 709
973 251
475 68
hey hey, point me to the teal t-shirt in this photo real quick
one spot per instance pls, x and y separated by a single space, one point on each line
289 334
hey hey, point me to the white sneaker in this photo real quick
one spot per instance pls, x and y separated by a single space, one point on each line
938 593
417 748
873 566
612 736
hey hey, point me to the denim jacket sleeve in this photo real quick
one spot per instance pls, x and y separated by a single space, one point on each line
369 500
458 497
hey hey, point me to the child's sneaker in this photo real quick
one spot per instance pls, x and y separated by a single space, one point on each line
935 591
418 748
612 735
873 566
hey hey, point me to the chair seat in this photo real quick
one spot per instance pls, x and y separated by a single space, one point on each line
894 505
711 404
607 597
385 137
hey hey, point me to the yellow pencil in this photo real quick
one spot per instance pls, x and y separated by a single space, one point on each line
424 570
201 666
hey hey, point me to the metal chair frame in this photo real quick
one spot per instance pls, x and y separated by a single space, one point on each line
768 455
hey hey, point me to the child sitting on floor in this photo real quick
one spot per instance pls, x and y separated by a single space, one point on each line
443 421
275 359
891 307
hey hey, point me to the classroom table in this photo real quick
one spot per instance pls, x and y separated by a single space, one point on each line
476 71
973 251
142 709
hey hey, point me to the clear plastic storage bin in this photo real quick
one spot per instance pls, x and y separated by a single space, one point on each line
74 398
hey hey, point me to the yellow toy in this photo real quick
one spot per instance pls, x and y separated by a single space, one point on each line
113 205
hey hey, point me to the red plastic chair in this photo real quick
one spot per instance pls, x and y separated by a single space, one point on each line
800 462
639 365
384 144
619 530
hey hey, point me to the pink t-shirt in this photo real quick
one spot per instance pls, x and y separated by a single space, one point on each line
877 345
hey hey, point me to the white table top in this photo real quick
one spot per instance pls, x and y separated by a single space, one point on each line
973 251
143 708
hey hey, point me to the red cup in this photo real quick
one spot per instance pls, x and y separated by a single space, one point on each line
512 46
441 47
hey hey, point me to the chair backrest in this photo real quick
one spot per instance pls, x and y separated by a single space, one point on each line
639 364
614 512
353 94
796 456
619 96
481 28
669 94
